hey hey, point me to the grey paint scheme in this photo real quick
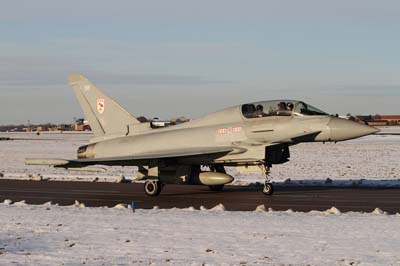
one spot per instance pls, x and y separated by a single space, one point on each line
225 137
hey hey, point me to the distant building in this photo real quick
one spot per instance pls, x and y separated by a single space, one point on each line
81 125
377 123
379 120
392 120
42 128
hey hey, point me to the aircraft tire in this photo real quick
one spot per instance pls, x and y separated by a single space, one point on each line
216 187
152 188
268 189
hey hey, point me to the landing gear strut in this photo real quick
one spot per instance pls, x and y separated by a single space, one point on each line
152 188
268 189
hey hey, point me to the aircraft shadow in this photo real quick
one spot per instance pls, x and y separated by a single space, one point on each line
302 185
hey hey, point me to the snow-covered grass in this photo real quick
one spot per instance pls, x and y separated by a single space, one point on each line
75 235
390 130
372 158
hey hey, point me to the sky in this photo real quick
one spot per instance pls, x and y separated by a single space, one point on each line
171 58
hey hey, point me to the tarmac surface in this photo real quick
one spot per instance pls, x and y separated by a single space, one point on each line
234 198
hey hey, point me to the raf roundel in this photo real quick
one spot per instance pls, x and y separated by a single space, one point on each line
100 105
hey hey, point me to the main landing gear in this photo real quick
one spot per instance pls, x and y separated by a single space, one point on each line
153 185
152 188
220 169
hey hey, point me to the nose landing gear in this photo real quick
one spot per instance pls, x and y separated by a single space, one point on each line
268 189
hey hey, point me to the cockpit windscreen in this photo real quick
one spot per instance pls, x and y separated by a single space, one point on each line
279 108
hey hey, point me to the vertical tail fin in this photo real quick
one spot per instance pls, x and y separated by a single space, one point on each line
105 116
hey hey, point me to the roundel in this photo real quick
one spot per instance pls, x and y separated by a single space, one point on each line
101 105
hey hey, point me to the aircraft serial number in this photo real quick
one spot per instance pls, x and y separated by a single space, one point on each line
229 130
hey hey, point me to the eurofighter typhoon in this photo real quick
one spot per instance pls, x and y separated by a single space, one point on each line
252 135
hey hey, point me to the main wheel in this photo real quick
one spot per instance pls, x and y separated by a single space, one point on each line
152 188
268 189
216 187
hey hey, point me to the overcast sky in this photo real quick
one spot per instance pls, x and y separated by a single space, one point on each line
170 58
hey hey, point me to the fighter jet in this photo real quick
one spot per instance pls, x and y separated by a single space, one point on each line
256 135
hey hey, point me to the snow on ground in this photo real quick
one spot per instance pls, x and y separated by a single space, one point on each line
53 235
373 158
390 130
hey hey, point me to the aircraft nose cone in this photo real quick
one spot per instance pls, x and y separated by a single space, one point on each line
343 129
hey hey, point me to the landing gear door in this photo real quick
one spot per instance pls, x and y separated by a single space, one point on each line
276 154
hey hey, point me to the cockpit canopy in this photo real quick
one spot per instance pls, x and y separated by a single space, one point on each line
279 108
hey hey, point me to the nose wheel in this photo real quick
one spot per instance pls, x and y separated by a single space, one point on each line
268 189
152 188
